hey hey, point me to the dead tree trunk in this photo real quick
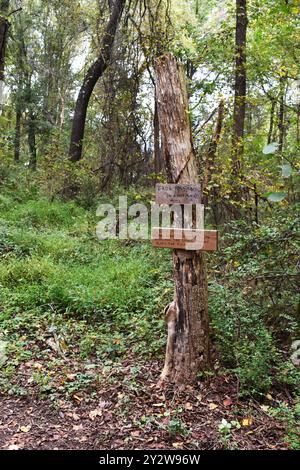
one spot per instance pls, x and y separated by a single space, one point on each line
187 317
240 87
94 73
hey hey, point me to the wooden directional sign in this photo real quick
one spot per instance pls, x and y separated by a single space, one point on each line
185 239
178 193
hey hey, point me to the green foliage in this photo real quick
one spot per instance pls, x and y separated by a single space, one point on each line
254 305
270 148
41 214
65 277
177 427
243 340
291 419
275 197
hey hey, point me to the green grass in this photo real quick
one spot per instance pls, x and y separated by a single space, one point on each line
105 297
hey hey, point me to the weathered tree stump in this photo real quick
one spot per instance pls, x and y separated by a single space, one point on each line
187 317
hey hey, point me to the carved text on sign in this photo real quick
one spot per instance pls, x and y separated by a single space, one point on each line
178 193
185 239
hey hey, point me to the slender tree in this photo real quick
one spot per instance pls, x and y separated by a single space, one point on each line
24 96
272 116
281 112
240 87
31 132
157 149
17 139
212 152
94 73
4 25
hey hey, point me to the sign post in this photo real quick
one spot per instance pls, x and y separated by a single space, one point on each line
182 238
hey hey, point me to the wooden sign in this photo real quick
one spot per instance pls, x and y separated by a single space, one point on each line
185 239
178 193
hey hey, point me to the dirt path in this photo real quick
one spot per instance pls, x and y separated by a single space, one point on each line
140 417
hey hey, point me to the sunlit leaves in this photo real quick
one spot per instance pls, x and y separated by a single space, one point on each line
286 170
276 197
270 148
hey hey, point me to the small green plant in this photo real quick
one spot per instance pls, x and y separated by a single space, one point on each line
291 417
225 430
177 427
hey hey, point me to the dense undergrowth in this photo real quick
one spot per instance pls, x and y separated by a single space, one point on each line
104 300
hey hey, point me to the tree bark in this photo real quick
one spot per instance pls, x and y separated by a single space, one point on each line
17 142
157 149
32 141
272 115
90 80
187 317
298 125
240 87
4 25
281 113
212 152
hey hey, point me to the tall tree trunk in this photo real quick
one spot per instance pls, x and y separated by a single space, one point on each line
17 141
157 149
298 125
31 141
240 87
4 25
272 115
187 317
281 114
90 80
212 151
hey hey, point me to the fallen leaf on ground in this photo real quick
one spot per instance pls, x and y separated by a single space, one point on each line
103 404
213 406
227 402
94 414
265 408
188 406
177 445
77 428
247 421
71 377
25 428
77 398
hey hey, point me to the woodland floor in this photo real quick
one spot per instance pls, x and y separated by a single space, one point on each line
79 319
137 415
